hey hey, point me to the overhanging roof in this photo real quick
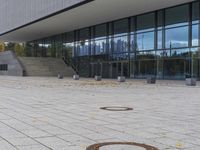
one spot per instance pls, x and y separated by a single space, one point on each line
94 12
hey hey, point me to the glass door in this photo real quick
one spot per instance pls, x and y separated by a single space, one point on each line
119 69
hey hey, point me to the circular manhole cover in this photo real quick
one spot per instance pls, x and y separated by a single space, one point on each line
114 108
121 146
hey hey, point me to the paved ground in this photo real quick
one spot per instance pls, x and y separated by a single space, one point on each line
47 113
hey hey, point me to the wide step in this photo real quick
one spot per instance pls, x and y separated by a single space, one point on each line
36 66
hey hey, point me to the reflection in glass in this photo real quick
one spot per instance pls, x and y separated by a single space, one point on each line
195 52
120 44
145 41
122 56
132 43
83 48
177 37
160 40
176 53
100 47
195 35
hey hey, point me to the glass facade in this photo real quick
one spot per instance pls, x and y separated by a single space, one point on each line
164 43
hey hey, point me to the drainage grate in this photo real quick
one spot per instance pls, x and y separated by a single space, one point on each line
100 145
113 108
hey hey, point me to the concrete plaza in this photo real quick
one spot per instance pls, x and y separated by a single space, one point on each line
47 113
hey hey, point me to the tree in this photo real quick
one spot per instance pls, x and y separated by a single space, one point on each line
19 49
9 46
2 46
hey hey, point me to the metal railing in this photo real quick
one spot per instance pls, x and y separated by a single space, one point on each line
68 63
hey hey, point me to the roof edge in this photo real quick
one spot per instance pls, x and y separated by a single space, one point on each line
48 16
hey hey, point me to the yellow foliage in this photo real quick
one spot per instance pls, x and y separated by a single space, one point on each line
2 46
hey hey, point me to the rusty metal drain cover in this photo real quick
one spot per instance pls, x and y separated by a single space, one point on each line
114 108
136 145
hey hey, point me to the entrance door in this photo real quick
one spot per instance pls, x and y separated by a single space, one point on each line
119 69
145 68
176 68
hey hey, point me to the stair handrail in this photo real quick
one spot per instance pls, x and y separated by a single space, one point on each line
68 63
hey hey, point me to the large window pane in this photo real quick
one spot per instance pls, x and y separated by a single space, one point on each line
121 27
99 42
176 68
48 45
83 48
100 46
68 46
160 18
195 11
83 45
195 35
120 44
177 15
84 34
145 41
58 46
177 37
101 31
146 21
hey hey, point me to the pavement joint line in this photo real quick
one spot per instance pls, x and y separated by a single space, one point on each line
9 142
25 134
44 131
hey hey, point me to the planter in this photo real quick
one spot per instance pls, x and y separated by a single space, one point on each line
191 81
76 77
121 79
151 80
60 76
98 78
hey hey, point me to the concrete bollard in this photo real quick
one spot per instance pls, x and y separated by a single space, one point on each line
76 77
121 79
151 80
98 78
60 76
191 81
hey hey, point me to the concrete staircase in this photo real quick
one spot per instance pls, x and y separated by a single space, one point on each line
40 66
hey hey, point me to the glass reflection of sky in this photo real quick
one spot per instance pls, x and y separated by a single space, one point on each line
177 37
145 41
195 35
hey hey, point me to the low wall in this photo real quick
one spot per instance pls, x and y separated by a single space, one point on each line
10 65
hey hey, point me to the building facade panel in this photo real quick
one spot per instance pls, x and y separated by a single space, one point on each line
16 13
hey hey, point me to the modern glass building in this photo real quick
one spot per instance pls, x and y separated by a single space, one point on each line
164 42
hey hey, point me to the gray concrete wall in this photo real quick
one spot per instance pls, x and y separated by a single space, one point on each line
14 66
15 13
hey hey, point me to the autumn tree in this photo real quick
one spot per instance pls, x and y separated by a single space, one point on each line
2 46
9 46
19 49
